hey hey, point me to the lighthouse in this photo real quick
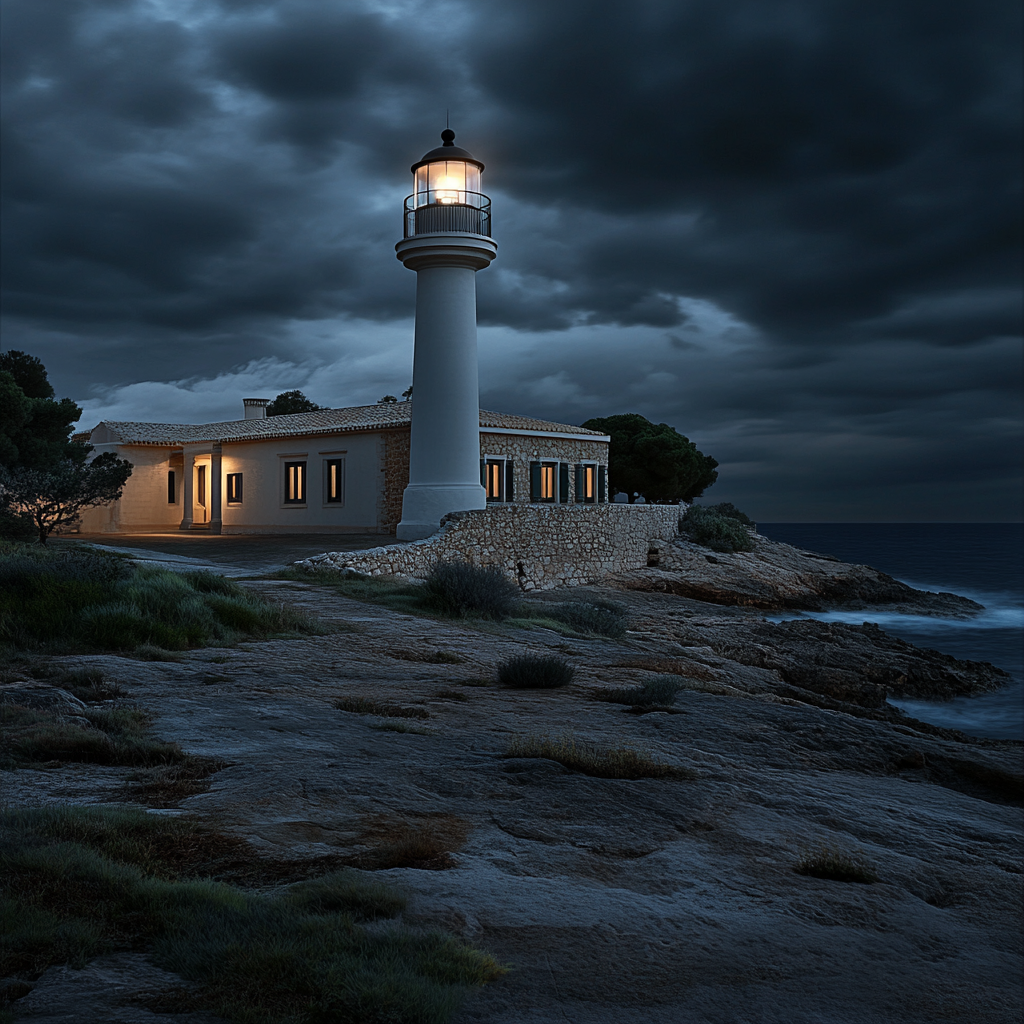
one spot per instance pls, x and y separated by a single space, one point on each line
447 240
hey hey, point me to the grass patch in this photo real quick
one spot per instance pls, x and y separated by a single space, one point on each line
535 672
87 684
837 865
590 759
427 845
658 692
78 882
434 658
120 736
77 599
366 706
404 597
597 617
451 695
400 725
719 527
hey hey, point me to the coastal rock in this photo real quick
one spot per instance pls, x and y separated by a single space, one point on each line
778 576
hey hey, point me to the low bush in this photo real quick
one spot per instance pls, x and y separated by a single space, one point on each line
711 529
79 882
535 672
650 693
400 725
837 865
605 618
79 599
591 759
460 590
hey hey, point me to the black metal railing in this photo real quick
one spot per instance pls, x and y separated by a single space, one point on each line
447 210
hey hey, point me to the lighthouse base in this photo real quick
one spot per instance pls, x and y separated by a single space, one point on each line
423 506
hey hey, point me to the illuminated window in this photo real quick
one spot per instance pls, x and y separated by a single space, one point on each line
295 483
234 488
171 493
334 481
545 478
586 483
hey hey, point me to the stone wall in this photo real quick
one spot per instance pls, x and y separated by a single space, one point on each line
538 546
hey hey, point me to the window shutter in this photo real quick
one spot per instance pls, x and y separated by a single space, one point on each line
578 494
600 483
483 473
509 482
534 481
563 481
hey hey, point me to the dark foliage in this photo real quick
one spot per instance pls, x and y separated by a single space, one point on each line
535 672
837 865
730 511
289 402
460 590
712 529
651 693
602 617
654 459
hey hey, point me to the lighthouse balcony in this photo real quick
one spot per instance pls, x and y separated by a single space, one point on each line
447 210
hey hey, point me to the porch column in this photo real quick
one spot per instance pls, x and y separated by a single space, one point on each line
216 523
187 472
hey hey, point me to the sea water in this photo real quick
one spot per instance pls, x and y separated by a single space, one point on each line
982 561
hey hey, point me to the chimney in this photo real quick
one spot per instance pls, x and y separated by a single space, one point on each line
255 408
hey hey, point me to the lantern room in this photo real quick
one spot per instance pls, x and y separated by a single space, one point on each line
446 193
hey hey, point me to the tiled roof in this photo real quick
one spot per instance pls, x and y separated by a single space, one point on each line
303 424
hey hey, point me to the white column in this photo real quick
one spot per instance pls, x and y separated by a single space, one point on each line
444 457
216 523
187 473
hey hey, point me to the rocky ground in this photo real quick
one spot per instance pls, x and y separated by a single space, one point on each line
666 901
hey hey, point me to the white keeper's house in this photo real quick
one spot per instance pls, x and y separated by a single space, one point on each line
329 471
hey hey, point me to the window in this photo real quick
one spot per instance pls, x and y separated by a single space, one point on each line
544 481
586 484
234 481
334 481
496 476
295 483
171 492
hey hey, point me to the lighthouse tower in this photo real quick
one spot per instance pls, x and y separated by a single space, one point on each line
447 240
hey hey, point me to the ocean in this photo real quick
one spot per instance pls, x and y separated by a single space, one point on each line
982 561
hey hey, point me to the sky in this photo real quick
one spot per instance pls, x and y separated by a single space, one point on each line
788 228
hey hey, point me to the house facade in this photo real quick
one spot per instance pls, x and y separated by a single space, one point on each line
329 471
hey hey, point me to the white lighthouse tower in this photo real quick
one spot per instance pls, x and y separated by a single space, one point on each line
447 240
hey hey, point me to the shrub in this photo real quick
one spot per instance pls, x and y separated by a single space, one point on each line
604 618
533 672
651 693
837 865
709 528
460 590
364 706
590 759
730 511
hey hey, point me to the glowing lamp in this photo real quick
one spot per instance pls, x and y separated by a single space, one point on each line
446 193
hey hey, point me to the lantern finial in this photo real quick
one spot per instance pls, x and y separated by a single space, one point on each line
448 137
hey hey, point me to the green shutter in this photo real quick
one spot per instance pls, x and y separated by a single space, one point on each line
483 473
600 483
563 481
534 481
578 493
510 487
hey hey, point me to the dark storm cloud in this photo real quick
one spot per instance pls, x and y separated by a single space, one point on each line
185 181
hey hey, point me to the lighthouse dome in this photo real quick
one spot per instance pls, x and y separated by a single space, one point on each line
447 151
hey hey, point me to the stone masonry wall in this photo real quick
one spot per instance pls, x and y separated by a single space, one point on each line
522 449
538 546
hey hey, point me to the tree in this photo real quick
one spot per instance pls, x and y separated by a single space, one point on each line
34 427
407 394
58 495
653 459
289 402
387 400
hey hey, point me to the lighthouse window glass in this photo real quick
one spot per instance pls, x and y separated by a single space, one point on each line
446 182
295 483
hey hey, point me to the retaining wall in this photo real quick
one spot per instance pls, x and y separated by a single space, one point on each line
538 546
